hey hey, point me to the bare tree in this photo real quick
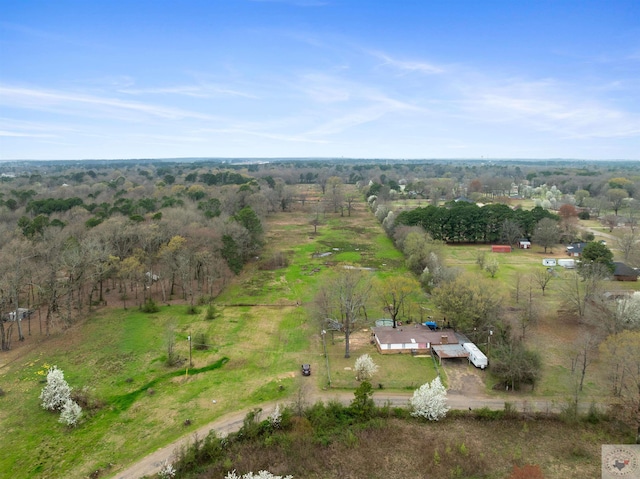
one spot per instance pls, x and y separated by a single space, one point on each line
529 314
394 293
335 192
627 244
517 285
342 300
577 292
542 277
620 352
511 231
583 352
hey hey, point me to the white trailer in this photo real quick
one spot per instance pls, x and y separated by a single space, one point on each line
476 357
567 263
549 262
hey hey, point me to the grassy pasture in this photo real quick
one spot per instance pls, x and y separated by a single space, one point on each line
256 347
265 332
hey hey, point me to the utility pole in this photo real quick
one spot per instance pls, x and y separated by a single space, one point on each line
326 356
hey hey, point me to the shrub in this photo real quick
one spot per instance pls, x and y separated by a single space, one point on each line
149 306
212 312
200 342
71 413
86 399
251 475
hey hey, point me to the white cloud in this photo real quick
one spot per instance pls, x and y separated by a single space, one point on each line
77 103
565 110
196 91
408 66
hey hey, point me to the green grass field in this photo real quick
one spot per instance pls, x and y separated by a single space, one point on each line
265 332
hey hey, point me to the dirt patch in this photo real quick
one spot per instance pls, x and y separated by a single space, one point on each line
463 378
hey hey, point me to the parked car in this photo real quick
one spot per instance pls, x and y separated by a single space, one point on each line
306 369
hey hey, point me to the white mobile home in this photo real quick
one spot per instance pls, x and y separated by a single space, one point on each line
549 262
567 263
476 357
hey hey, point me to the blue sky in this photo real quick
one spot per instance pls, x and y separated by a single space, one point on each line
319 78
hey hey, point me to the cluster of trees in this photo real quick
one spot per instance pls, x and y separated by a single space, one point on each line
63 248
469 223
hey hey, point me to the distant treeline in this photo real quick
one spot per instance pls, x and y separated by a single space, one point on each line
463 222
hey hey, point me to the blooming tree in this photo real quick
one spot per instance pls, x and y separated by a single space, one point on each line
275 418
167 471
71 413
57 391
430 401
251 475
365 368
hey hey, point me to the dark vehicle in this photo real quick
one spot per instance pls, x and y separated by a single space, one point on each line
306 369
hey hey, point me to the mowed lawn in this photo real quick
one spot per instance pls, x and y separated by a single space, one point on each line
255 348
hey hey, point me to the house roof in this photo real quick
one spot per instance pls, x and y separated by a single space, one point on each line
445 351
409 334
622 269
576 247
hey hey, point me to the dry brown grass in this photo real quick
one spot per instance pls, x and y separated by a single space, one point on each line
395 449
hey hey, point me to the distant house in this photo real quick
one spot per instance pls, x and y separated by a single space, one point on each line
22 313
622 272
575 249
413 339
500 248
524 244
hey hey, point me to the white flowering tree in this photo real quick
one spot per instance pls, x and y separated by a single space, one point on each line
365 368
167 471
251 475
71 413
430 401
275 418
57 391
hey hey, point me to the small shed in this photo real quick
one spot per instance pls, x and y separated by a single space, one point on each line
524 244
622 272
500 248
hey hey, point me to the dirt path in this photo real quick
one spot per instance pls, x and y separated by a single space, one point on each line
462 398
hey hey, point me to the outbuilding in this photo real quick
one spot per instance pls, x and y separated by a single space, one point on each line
622 272
524 244
500 248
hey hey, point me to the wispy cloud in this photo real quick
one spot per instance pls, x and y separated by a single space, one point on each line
263 134
70 102
196 91
408 66
17 134
553 107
